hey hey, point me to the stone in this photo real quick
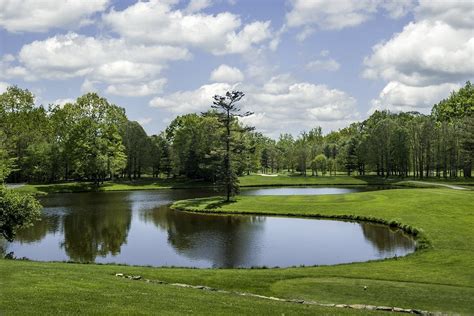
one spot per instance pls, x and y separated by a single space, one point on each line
357 306
327 305
383 308
136 277
119 275
401 310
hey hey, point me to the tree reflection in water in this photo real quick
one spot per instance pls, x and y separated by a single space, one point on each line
139 228
46 224
225 240
96 229
386 240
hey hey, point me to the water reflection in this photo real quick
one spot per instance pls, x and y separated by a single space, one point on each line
99 232
139 228
221 239
386 240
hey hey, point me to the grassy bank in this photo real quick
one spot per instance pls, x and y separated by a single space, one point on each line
245 181
440 278
125 185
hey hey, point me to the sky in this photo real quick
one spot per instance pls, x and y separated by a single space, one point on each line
301 63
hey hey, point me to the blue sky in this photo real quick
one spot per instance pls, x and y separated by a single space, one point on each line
301 63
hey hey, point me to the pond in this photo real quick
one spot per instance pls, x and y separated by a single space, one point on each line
139 228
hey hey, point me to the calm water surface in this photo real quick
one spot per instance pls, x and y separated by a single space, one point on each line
139 228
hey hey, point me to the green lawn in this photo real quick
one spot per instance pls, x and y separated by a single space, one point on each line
438 278
245 181
123 185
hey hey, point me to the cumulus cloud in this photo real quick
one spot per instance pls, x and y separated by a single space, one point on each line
280 104
3 86
137 90
336 15
225 73
458 13
424 53
40 16
323 64
67 56
155 22
8 69
399 97
191 101
197 5
144 121
89 86
62 102
429 58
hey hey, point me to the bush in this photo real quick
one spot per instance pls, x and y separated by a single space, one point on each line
17 210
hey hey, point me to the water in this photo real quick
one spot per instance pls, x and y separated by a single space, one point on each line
138 228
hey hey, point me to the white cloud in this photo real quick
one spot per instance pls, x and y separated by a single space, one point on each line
144 121
9 70
399 97
225 73
67 56
280 104
323 64
424 53
62 102
137 90
89 86
3 86
125 71
155 22
336 15
191 101
197 5
128 69
458 13
40 16
430 57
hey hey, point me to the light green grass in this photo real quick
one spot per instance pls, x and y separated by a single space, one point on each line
439 278
142 184
29 288
245 181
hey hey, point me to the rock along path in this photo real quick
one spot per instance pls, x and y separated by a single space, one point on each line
295 301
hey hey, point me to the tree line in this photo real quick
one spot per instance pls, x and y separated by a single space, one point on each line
93 140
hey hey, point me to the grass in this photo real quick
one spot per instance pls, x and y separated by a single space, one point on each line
245 181
33 288
121 185
439 278
291 180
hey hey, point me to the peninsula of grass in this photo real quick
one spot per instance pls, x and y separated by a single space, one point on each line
438 278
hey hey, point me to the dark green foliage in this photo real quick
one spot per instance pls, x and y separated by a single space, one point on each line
17 210
92 140
227 112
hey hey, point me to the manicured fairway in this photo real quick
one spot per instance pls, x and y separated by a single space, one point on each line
440 278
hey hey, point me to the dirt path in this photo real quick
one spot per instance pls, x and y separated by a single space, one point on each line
454 187
15 185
